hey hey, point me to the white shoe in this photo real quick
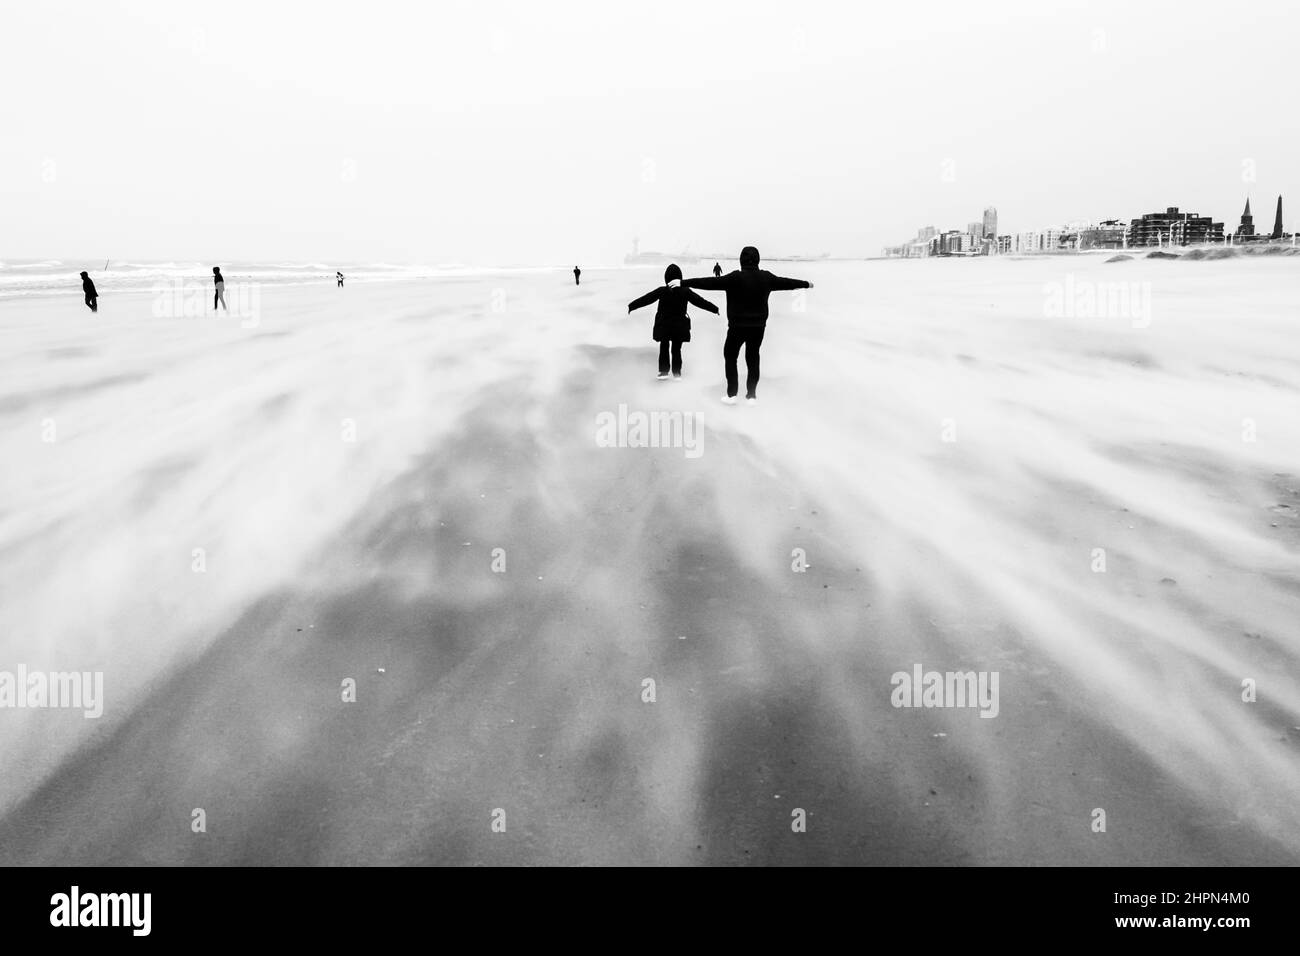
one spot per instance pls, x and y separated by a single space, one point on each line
751 401
677 378
661 376
728 399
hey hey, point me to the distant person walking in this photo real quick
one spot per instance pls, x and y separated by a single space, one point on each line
339 276
88 287
672 323
747 290
717 270
219 296
577 276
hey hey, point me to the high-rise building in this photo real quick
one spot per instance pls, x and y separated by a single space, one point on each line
1247 227
990 222
1277 222
975 229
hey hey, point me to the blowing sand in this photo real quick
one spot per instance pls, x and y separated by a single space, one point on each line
230 522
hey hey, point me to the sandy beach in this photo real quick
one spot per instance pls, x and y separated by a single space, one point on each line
400 484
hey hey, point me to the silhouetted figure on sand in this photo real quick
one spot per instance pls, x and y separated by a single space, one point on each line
672 323
88 287
577 276
339 276
717 269
747 289
220 294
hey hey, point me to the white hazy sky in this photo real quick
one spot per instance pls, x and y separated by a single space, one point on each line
488 132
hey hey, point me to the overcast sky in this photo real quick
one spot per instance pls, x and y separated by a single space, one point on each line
545 133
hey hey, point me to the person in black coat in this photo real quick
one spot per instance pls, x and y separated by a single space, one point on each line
672 323
717 269
747 290
577 276
88 287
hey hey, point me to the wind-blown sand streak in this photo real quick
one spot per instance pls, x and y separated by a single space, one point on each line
475 414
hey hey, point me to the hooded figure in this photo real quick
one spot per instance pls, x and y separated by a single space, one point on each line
747 290
88 287
672 323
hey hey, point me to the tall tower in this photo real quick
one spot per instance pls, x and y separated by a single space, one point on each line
990 222
1277 223
1247 227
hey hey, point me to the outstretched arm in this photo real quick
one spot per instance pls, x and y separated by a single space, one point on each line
784 285
651 296
717 283
702 302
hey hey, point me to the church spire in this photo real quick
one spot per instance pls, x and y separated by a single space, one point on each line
1277 223
1247 227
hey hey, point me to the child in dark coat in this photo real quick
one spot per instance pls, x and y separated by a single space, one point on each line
672 323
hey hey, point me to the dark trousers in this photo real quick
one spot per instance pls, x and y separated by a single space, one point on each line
676 356
751 339
93 302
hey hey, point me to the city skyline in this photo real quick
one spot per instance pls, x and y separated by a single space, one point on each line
1172 225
